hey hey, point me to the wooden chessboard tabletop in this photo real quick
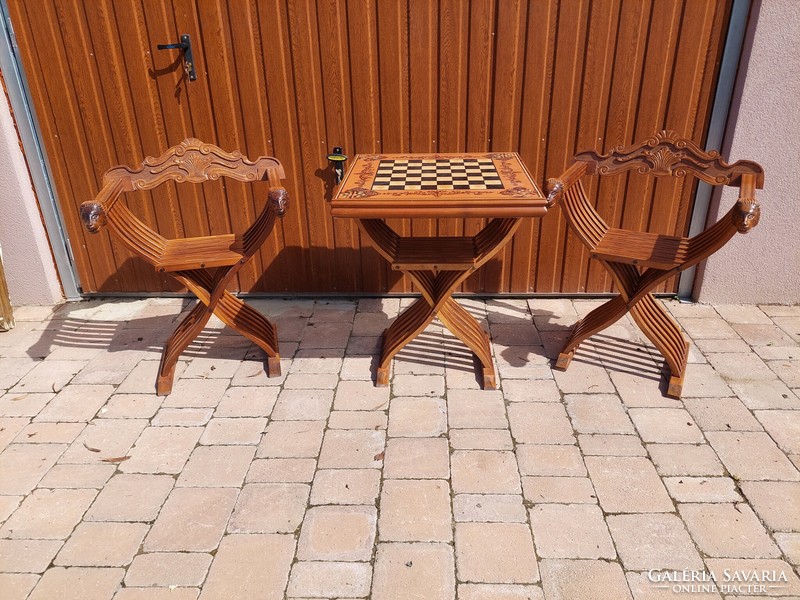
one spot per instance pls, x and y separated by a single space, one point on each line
494 184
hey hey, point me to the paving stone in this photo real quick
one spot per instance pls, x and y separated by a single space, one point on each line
736 345
357 368
482 551
182 417
561 490
17 586
364 345
104 439
742 313
702 381
583 580
728 531
702 489
653 541
162 450
178 526
515 334
352 449
77 476
540 423
214 367
247 402
788 371
10 428
168 569
12 369
217 466
784 352
611 445
763 335
329 580
102 545
291 439
419 358
196 393
417 417
23 404
250 566
721 414
550 460
317 361
388 306
236 431
597 413
791 325
357 419
311 381
707 328
752 455
481 439
418 385
327 335
77 583
415 510
346 486
48 514
113 368
476 409
361 395
27 556
49 376
790 545
783 426
666 425
131 498
507 310
489 508
627 484
487 591
647 586
404 571
685 459
790 588
542 390
460 373
274 470
571 531
740 367
338 533
522 362
484 472
583 378
8 504
287 504
417 458
776 502
370 323
765 394
642 391
76 403
22 466
131 406
298 405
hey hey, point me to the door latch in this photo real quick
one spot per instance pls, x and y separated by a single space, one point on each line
337 158
185 46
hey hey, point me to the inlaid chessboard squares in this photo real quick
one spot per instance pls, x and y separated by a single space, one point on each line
437 174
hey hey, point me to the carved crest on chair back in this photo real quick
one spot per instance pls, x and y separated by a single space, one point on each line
192 161
665 154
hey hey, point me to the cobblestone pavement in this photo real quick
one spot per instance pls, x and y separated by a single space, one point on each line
587 484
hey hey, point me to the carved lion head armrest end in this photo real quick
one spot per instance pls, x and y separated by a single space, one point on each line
555 189
279 198
93 215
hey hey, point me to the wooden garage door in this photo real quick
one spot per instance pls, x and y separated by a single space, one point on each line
293 78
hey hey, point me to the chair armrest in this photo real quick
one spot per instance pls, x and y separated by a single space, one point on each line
557 187
747 211
94 213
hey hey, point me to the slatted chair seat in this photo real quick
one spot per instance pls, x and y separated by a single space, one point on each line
205 265
639 261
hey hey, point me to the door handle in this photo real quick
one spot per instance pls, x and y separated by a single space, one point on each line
185 46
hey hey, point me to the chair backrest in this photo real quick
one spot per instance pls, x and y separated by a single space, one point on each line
194 161
665 154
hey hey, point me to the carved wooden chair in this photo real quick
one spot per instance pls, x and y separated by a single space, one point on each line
639 261
205 265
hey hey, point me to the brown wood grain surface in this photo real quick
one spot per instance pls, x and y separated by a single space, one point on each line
293 78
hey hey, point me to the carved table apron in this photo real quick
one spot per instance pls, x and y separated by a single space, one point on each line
494 186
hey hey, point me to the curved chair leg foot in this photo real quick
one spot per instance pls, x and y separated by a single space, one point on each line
563 360
382 377
274 366
675 386
489 381
164 381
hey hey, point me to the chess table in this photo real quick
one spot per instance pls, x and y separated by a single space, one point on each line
494 186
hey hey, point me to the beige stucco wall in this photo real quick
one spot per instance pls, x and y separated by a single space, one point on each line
764 265
30 272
